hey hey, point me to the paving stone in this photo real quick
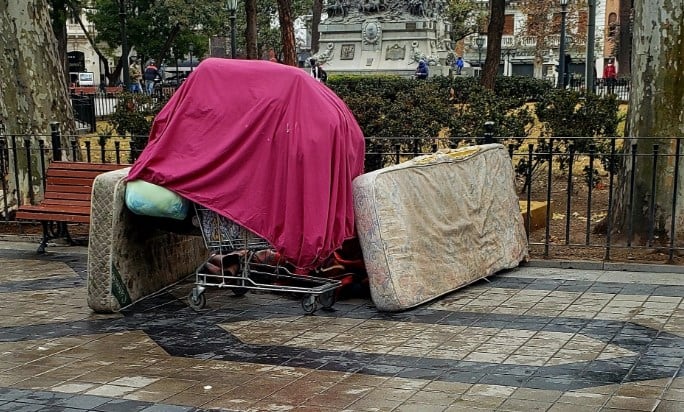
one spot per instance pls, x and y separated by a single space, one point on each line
562 339
82 401
21 407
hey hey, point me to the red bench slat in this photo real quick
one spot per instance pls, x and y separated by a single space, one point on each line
67 196
67 193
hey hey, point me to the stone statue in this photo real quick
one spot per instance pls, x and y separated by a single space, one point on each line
418 31
416 8
417 55
325 55
372 6
337 9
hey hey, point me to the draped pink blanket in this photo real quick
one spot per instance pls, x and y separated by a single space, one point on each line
264 145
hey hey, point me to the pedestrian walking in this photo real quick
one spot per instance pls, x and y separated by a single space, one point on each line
135 77
422 70
459 65
150 75
610 76
317 71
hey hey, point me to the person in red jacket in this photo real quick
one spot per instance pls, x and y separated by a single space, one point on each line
610 76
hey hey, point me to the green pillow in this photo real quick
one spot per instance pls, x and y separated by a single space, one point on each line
143 198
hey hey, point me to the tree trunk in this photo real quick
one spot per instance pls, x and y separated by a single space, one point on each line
494 34
251 29
90 39
624 54
287 32
316 12
59 18
656 102
33 89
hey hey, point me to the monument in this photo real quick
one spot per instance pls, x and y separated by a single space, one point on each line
385 36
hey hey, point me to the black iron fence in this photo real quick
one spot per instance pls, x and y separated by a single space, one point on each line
581 198
92 104
85 111
620 87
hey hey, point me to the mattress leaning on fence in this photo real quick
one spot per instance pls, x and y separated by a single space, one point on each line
128 258
437 223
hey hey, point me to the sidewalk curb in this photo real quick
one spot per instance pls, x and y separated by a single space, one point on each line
21 238
533 263
613 266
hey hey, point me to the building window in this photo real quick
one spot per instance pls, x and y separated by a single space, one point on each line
509 25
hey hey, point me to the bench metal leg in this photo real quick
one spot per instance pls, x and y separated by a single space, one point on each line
46 237
53 230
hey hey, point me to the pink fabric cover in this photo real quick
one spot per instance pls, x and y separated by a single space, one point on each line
264 145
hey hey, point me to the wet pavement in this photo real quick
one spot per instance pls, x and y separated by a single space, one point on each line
530 339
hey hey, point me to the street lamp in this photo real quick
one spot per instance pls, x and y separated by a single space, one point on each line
479 41
590 67
192 48
124 45
232 5
561 58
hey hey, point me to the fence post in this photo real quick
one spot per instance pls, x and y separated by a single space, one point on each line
56 141
489 132
27 146
4 169
91 113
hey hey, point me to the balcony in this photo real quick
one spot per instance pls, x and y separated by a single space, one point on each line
554 40
527 41
508 41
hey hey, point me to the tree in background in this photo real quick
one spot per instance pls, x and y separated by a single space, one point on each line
656 103
251 30
154 27
289 53
497 10
33 89
316 11
466 17
59 13
543 23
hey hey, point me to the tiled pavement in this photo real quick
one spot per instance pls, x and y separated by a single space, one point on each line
531 339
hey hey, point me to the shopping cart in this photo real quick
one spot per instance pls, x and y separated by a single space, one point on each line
242 261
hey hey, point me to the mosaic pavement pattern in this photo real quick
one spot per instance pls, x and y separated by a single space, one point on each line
531 339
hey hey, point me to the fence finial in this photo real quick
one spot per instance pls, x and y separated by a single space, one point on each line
56 141
489 132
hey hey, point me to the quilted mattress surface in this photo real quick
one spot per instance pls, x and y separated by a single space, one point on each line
437 223
129 258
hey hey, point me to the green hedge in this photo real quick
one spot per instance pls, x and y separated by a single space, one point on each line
393 106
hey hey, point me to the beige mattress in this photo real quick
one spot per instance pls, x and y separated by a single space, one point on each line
437 223
128 259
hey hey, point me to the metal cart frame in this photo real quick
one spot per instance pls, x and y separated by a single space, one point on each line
237 261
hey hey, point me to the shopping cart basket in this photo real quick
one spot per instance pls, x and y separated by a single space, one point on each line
242 261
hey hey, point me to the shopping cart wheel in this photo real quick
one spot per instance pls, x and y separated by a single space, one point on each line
309 303
197 300
327 299
239 291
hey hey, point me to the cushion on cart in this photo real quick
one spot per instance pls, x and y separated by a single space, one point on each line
143 198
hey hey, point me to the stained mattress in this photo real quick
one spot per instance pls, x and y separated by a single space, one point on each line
128 257
437 223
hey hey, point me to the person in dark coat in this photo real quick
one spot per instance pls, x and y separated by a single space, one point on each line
151 73
422 70
317 71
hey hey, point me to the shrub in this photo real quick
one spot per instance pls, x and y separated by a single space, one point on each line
133 116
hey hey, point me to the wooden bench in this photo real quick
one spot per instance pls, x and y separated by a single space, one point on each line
66 198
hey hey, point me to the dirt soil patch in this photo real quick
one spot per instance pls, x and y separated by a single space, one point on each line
579 233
